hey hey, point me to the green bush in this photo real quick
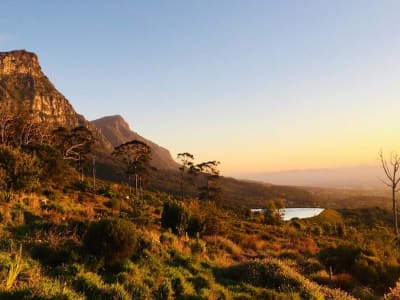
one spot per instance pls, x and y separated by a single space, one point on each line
196 225
113 240
198 246
167 238
51 163
6 196
164 291
267 275
175 215
340 258
20 171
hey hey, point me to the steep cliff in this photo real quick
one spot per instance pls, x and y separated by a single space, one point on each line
23 86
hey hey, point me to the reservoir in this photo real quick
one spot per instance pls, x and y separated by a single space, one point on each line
296 212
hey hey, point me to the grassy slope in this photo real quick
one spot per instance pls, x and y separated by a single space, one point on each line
231 263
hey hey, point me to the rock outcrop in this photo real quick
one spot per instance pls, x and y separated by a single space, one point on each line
23 86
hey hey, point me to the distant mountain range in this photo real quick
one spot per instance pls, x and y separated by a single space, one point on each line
354 177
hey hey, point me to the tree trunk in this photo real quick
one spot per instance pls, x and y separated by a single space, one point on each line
136 184
140 188
130 186
182 193
94 174
208 189
396 229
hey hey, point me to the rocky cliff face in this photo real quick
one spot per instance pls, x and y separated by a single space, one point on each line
23 86
117 131
19 62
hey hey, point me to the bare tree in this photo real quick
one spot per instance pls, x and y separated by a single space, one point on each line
391 167
20 127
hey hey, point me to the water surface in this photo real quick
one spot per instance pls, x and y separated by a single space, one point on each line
297 212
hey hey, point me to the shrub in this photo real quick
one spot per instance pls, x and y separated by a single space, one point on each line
175 215
198 246
113 240
5 196
271 274
214 225
317 230
163 292
272 213
167 238
107 191
195 225
219 243
341 258
54 167
21 170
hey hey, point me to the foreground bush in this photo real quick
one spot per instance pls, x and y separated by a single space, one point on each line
113 240
175 215
18 170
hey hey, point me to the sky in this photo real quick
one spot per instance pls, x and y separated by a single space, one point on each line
258 85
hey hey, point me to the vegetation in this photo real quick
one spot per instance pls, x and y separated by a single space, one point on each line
391 170
84 243
111 240
187 166
135 156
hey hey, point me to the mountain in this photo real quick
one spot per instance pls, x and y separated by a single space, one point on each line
364 177
116 130
23 85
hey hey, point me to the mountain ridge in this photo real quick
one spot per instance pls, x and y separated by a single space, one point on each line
25 87
117 131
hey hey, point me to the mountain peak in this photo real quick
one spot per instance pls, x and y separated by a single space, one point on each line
19 62
117 132
23 86
113 119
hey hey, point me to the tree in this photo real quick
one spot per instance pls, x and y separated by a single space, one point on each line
20 127
53 168
135 155
75 145
211 190
273 214
391 167
186 166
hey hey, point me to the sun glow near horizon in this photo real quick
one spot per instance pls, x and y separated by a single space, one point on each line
258 85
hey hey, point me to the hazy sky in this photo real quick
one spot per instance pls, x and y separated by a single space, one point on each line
259 85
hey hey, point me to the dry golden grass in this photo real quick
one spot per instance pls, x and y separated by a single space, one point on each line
224 244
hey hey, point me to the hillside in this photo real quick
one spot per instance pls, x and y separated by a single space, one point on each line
117 131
